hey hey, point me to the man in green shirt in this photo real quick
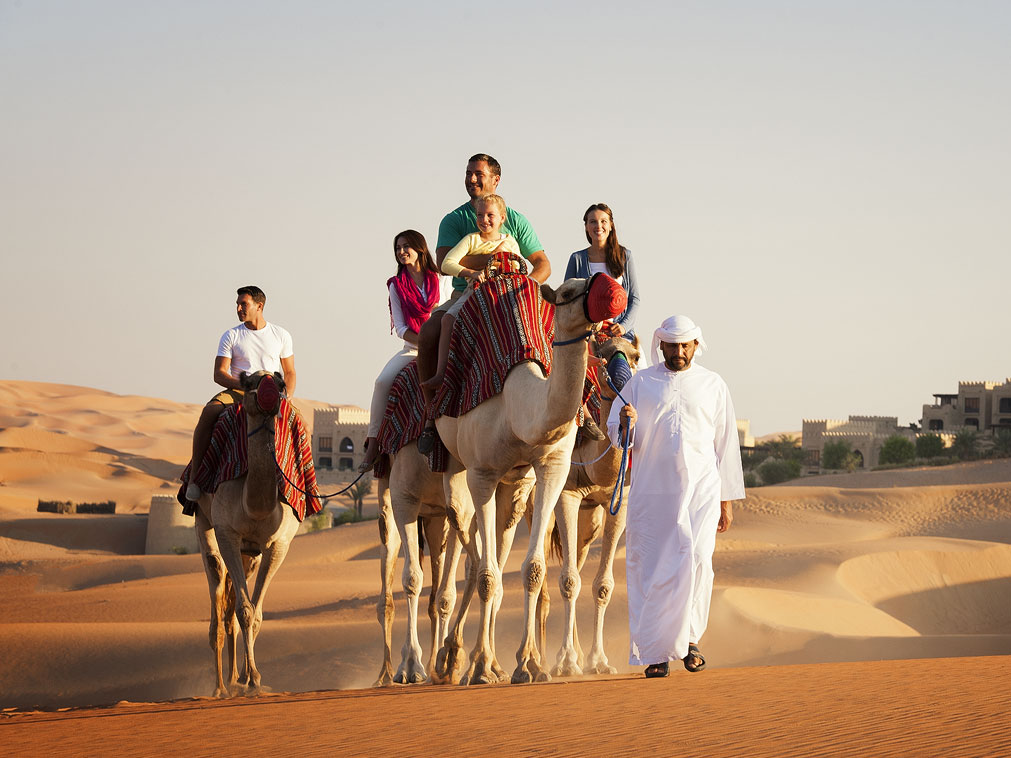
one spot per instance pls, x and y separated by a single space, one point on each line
483 176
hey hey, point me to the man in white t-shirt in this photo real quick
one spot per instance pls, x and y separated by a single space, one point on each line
253 345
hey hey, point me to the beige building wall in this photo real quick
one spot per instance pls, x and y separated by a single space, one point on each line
338 437
866 435
168 529
977 405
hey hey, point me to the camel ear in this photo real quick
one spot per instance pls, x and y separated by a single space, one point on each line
548 294
279 381
244 380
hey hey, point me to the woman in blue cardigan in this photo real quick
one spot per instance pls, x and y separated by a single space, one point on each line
605 255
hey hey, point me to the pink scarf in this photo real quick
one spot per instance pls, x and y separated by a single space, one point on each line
416 311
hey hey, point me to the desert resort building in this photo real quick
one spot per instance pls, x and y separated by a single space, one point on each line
983 407
339 432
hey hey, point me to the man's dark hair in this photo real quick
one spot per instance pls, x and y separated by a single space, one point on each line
254 292
493 165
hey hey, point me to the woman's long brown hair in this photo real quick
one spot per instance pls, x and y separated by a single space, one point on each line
614 254
415 240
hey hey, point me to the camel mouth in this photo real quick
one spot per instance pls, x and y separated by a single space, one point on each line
605 299
267 395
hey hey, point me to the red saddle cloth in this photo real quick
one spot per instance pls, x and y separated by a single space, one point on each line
505 322
226 458
404 421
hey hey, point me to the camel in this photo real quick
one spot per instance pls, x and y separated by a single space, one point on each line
411 492
245 516
530 423
585 501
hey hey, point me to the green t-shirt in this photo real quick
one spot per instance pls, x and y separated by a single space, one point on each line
458 223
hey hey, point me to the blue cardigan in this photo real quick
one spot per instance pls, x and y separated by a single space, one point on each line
579 268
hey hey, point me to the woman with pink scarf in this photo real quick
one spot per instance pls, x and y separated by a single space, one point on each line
414 292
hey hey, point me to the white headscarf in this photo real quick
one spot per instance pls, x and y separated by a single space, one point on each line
675 329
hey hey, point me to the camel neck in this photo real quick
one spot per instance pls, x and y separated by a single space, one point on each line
261 479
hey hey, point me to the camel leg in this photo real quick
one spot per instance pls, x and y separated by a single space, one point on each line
510 504
389 546
250 608
603 587
551 471
229 544
450 659
482 485
460 514
567 513
405 511
437 536
250 564
591 524
214 568
544 598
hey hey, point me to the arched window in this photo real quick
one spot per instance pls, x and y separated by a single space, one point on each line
347 446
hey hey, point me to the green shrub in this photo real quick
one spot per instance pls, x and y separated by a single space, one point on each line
751 480
897 449
774 471
348 516
929 446
180 550
320 521
966 445
1002 442
835 454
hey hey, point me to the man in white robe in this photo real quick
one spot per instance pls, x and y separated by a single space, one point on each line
686 470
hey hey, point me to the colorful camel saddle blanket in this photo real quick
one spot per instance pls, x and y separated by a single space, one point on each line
504 322
404 421
226 459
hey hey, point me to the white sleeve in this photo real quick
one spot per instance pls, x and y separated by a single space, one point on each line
225 345
614 419
728 450
397 311
287 347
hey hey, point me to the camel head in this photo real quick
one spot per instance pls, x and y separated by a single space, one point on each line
613 353
581 302
263 392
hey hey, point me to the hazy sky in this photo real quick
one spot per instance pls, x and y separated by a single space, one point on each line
822 186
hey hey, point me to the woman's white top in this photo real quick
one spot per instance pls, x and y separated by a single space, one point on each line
601 268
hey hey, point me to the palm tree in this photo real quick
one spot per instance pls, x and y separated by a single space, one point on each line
358 492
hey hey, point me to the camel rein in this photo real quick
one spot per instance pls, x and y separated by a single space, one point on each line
271 432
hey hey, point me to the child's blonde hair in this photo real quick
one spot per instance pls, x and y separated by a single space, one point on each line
492 199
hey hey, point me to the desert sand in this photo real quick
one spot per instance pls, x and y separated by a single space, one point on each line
859 614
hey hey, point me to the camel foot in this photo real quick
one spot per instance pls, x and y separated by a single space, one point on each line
480 671
221 692
498 671
385 678
412 675
448 662
529 671
599 665
567 665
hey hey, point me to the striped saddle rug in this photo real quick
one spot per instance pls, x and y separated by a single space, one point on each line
226 459
404 421
505 322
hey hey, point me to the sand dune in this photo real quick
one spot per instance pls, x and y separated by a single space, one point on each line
62 442
885 565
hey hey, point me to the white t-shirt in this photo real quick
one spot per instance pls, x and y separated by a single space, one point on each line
254 350
601 268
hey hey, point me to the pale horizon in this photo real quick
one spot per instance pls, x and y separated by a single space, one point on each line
823 189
